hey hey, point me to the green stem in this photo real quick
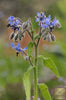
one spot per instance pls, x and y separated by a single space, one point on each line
39 35
35 76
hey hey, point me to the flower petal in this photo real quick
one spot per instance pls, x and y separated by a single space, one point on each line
11 18
43 13
12 45
17 21
37 20
38 14
49 17
25 48
18 46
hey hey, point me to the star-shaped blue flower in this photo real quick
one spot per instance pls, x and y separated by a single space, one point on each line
40 17
18 48
48 23
55 21
11 18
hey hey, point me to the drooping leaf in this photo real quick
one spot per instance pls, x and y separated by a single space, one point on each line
44 89
29 50
50 64
27 84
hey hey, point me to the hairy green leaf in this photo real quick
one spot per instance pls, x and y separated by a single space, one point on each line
44 89
29 50
27 84
50 64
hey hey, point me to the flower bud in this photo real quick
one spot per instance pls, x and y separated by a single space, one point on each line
26 58
58 25
25 25
44 38
16 37
32 98
44 35
20 35
48 38
53 37
20 38
11 35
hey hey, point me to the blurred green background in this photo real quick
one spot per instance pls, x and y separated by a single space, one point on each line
12 68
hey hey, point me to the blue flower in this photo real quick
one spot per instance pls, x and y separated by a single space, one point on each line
47 20
11 18
55 21
18 48
44 25
14 23
48 23
40 17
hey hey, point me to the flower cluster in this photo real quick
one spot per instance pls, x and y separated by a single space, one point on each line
14 23
47 23
18 27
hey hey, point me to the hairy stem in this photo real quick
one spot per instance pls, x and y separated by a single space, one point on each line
29 59
35 76
30 34
39 35
35 69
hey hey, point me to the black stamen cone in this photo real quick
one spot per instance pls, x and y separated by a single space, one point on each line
17 53
8 25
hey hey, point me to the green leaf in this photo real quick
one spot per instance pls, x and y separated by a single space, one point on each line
29 50
50 64
36 37
44 89
27 84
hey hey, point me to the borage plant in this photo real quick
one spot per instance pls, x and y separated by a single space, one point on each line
46 25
